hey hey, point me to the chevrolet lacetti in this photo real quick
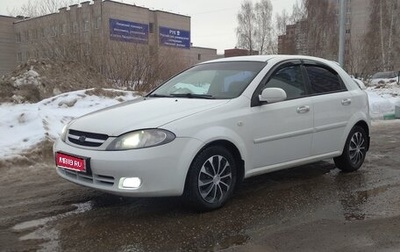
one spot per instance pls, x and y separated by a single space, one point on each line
202 132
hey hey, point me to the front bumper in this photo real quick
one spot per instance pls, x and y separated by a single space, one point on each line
162 169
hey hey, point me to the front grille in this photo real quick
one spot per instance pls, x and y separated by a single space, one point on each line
86 138
103 180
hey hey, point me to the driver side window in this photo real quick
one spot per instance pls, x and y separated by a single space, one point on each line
290 79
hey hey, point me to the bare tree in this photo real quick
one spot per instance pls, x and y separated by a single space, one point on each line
321 28
284 18
255 30
263 27
383 34
281 21
246 29
298 12
35 8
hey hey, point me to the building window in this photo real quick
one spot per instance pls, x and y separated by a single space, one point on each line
19 56
63 28
26 34
53 31
42 33
85 25
199 56
86 49
348 31
151 27
35 34
18 37
75 27
97 24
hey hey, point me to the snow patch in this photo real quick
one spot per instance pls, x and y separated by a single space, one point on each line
30 77
25 125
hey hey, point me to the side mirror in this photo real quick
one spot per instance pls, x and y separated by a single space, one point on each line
272 95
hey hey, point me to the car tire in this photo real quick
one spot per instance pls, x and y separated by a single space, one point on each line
354 150
211 179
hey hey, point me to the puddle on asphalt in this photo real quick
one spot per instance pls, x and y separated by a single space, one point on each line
361 205
41 230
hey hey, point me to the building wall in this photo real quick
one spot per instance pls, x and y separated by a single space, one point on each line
358 14
294 41
357 21
8 58
200 54
83 30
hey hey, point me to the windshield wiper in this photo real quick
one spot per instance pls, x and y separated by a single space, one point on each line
191 95
158 95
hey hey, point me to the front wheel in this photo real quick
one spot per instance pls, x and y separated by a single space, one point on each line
354 150
211 178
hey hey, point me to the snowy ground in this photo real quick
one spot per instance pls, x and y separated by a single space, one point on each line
383 100
25 125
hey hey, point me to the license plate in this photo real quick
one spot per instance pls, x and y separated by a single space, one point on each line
70 162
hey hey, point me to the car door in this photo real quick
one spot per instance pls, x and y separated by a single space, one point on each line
332 108
281 132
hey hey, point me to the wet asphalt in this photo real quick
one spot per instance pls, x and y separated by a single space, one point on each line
309 208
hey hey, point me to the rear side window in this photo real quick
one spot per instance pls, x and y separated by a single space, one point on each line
323 80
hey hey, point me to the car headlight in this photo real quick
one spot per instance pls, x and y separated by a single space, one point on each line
141 139
63 134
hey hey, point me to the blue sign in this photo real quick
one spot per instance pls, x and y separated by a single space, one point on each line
174 37
129 31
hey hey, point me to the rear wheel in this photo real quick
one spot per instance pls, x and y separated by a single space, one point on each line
211 179
354 150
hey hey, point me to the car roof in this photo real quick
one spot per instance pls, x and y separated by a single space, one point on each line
265 58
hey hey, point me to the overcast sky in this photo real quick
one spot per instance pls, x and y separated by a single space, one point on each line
213 21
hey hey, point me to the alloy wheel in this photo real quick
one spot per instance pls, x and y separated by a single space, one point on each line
215 179
357 148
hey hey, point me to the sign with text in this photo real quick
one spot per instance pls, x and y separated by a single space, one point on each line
128 31
174 37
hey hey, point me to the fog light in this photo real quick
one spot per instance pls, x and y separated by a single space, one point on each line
130 183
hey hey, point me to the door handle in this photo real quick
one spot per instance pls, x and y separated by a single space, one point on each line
303 109
346 102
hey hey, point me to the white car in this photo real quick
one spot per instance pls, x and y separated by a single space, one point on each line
219 122
360 83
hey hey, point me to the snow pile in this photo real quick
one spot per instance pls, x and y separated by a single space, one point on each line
30 77
383 100
25 125
36 80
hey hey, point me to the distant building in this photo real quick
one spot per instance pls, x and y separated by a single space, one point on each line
287 42
200 54
100 31
8 59
238 52
294 41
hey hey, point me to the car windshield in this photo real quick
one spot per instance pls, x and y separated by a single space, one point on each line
219 80
384 75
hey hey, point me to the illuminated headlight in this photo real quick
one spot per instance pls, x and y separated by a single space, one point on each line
63 134
130 183
141 139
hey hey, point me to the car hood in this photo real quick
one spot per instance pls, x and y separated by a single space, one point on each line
141 114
